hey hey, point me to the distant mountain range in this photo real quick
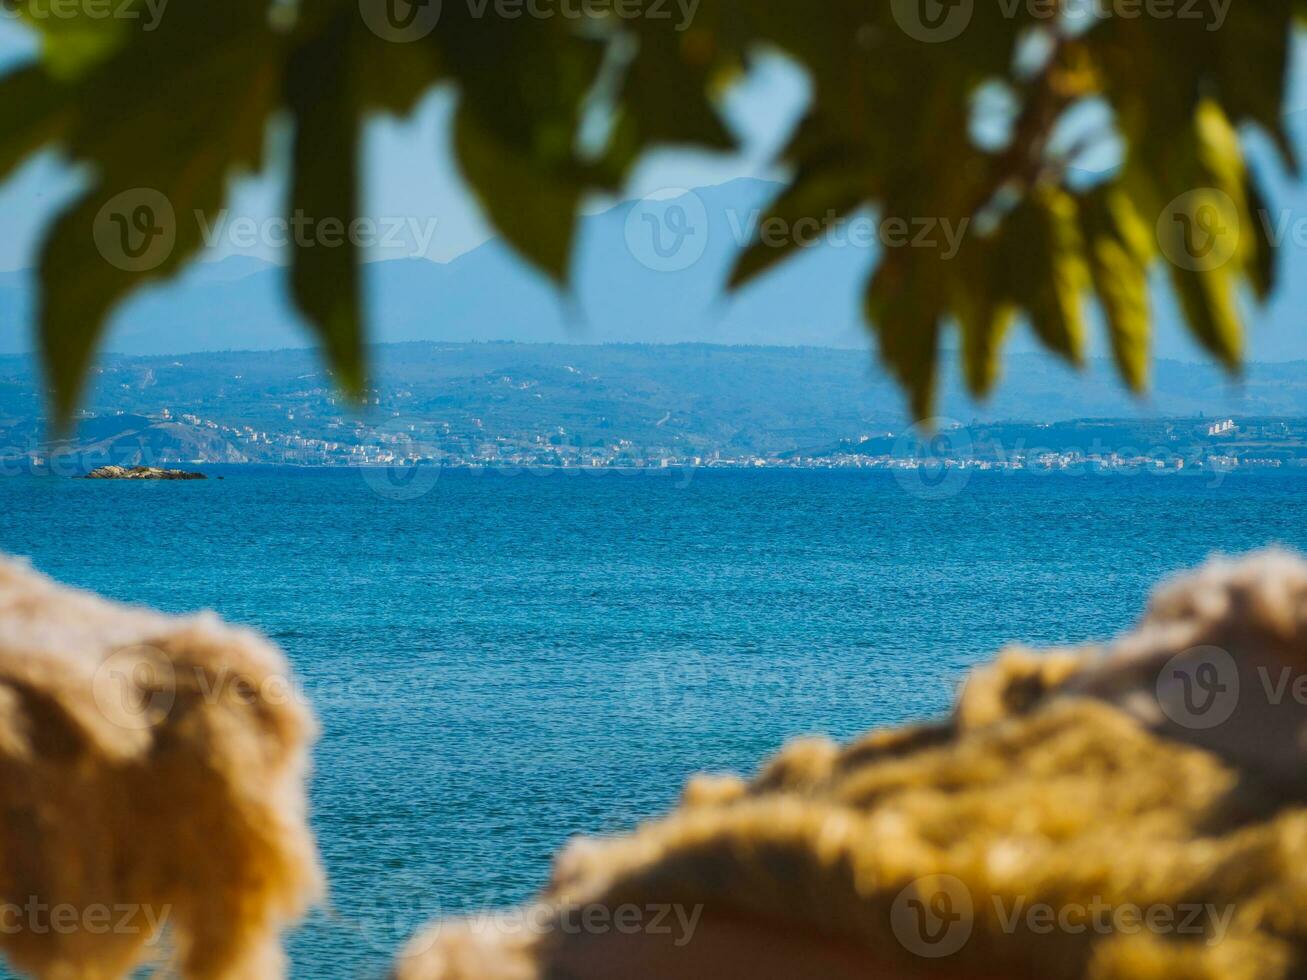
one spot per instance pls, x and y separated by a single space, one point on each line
241 303
489 294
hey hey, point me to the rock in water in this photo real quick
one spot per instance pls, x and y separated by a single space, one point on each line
141 473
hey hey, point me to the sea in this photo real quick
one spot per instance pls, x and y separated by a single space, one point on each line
503 660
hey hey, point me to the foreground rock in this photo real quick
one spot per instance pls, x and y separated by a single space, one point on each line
151 780
1137 811
141 473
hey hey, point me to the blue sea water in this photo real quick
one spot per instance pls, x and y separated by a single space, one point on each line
503 662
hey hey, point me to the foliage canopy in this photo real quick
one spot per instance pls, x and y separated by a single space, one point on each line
553 107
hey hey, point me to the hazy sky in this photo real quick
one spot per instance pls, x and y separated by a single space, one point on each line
410 166
411 174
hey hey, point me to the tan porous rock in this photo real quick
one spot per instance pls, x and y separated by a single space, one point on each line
152 767
1130 810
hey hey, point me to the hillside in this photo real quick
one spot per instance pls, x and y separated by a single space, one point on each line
614 402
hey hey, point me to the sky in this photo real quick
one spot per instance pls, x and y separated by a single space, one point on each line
410 173
411 170
410 167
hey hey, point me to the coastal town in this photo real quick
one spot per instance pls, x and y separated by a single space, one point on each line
512 406
1160 446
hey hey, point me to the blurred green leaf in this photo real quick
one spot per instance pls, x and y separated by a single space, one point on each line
534 211
1118 259
163 108
35 110
983 314
904 305
161 155
518 127
1262 269
822 193
323 99
1044 269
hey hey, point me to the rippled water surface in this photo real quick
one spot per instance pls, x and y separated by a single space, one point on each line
507 661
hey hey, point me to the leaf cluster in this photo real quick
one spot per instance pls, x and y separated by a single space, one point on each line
552 108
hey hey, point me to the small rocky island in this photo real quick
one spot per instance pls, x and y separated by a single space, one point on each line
141 473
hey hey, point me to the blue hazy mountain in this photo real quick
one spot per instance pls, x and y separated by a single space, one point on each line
757 398
491 294
814 298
